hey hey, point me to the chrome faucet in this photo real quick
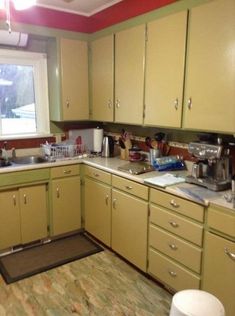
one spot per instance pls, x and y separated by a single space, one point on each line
13 153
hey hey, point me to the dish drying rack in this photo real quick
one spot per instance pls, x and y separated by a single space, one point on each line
58 151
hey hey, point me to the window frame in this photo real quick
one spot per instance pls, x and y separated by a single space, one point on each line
39 63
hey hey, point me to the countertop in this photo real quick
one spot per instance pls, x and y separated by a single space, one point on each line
189 191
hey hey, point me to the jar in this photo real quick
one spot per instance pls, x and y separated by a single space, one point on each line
135 154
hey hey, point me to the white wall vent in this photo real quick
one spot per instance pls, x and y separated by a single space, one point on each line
13 39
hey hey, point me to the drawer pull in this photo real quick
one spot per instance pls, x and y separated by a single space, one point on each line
25 199
57 192
114 204
173 246
128 187
173 203
67 171
14 199
174 224
96 175
107 200
229 254
172 273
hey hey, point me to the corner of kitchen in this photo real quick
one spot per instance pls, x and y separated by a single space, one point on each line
127 152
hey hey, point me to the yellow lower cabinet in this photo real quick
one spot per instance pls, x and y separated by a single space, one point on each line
23 215
66 209
33 208
129 227
219 270
9 219
98 210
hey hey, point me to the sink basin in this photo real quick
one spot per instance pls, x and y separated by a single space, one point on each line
27 160
4 163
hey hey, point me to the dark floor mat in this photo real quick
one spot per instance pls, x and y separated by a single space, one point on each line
40 258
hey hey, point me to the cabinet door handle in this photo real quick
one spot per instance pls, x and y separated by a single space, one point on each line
128 187
14 199
67 171
173 246
176 103
117 103
114 204
172 273
173 224
67 103
229 254
173 203
109 104
190 103
57 192
96 175
107 200
25 198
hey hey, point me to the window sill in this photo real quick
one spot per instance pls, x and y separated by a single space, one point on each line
29 136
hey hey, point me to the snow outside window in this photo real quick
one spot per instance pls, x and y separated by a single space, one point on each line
24 109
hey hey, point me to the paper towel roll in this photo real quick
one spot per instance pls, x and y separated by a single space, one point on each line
97 139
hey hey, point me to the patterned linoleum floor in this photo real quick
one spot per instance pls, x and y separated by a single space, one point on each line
99 285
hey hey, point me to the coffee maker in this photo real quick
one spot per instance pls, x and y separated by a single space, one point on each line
212 168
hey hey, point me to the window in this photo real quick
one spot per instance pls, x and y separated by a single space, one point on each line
24 107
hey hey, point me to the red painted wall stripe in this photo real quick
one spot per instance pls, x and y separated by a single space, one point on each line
123 11
72 22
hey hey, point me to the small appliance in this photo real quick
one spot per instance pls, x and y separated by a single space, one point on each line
107 146
213 168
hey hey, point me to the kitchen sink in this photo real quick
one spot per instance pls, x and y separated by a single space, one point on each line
27 160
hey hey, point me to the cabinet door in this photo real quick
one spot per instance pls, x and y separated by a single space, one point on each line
9 219
102 72
66 212
74 79
98 210
33 207
129 228
165 70
210 77
219 270
129 75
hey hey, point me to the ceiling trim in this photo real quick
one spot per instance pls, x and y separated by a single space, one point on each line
101 8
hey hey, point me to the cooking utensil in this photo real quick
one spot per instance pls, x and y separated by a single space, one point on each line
148 142
121 143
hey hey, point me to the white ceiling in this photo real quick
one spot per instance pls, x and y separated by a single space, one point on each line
82 7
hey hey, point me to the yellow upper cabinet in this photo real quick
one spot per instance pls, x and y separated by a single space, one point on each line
74 79
102 78
165 60
210 72
129 75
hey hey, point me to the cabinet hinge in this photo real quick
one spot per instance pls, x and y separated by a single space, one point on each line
146 34
144 111
148 210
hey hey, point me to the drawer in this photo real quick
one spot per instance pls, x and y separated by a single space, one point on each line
131 187
98 174
65 171
183 252
172 274
177 204
222 220
176 224
23 177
